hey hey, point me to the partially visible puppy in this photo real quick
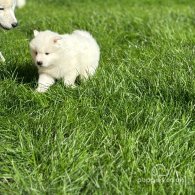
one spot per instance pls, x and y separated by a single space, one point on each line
64 57
7 16
20 3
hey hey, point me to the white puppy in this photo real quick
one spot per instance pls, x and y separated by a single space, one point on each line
64 57
7 16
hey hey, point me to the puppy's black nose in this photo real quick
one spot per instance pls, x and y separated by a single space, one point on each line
14 25
39 63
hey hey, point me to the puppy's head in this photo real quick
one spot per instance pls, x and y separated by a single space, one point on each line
7 16
44 48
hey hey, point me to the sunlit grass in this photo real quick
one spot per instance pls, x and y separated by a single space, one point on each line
128 130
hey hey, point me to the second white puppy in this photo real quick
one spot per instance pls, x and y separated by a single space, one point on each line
64 57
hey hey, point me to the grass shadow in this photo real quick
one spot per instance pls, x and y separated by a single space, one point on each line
26 74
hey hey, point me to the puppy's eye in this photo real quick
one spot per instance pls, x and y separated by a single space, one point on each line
47 54
36 53
1 9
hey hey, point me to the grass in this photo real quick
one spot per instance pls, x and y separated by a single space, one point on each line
128 130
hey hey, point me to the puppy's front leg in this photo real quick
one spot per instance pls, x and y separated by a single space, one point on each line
44 82
69 80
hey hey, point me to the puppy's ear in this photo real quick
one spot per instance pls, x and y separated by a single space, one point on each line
36 32
56 39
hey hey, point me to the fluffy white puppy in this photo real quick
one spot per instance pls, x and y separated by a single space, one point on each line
64 57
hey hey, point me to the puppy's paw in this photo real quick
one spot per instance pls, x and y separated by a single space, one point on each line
2 59
41 89
72 86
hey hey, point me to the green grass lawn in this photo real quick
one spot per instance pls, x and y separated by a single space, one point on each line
128 130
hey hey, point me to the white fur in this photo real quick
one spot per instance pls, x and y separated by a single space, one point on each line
70 55
7 16
20 3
